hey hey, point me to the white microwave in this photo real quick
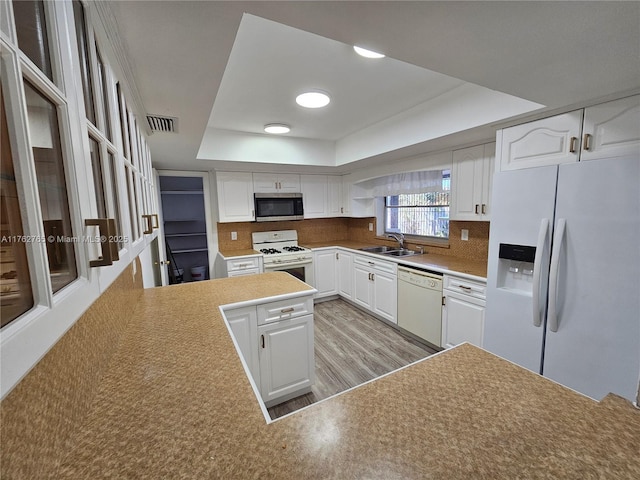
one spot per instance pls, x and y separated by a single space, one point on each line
273 207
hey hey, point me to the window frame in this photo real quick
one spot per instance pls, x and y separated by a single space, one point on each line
414 236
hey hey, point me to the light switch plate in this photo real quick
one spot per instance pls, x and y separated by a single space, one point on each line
234 235
464 234
371 227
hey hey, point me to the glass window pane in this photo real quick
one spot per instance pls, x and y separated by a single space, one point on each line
83 52
133 216
16 295
52 188
124 125
31 29
105 95
98 178
135 181
421 214
116 200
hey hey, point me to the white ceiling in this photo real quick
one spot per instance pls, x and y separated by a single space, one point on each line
271 63
184 60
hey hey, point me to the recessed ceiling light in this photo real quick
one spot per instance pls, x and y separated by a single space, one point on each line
315 99
277 128
367 53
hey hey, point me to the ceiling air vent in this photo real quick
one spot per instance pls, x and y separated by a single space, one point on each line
160 123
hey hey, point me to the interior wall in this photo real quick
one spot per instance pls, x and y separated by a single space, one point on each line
357 230
309 231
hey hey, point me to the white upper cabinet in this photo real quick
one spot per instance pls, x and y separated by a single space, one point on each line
276 183
314 195
335 207
549 141
611 129
346 198
471 177
235 196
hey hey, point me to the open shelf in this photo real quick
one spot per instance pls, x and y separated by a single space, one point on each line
193 234
189 250
182 192
184 221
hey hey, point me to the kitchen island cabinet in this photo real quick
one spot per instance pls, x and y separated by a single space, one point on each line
275 340
175 403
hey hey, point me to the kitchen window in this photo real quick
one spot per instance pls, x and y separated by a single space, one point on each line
423 214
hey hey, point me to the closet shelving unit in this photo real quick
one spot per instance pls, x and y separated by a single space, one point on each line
185 230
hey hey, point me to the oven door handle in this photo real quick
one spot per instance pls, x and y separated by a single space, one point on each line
277 266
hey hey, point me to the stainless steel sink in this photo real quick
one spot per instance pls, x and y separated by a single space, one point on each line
401 253
379 249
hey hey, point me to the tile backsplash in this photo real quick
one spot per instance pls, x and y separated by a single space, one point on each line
357 230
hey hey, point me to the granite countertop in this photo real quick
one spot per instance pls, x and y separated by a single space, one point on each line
432 261
246 252
176 403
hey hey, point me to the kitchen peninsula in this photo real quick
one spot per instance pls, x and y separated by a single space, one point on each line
175 402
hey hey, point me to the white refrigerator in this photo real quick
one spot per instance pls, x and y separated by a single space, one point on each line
563 280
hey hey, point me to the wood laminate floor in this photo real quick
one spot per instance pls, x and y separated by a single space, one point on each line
352 347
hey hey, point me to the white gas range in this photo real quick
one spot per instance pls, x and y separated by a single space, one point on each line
281 252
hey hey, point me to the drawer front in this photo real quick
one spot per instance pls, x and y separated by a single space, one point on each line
375 264
237 264
466 287
239 273
284 309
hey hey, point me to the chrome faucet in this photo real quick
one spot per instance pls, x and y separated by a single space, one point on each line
398 237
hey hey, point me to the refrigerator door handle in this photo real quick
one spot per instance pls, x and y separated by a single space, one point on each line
553 275
537 263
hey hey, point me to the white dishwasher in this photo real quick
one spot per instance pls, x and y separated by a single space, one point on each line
420 304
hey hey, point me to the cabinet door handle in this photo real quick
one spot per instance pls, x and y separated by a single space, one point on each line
444 301
373 277
572 144
341 209
337 257
465 288
477 206
484 208
105 245
262 340
586 144
149 222
156 221
287 310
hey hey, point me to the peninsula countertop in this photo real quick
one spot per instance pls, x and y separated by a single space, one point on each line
176 403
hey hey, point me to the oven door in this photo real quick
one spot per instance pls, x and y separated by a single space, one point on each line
301 270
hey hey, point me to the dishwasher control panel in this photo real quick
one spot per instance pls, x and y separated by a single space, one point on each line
420 279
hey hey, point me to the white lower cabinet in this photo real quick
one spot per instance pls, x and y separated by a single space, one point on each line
325 271
244 325
375 286
287 363
275 340
238 266
344 271
463 312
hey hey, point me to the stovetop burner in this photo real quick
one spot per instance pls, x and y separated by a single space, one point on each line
270 251
294 248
